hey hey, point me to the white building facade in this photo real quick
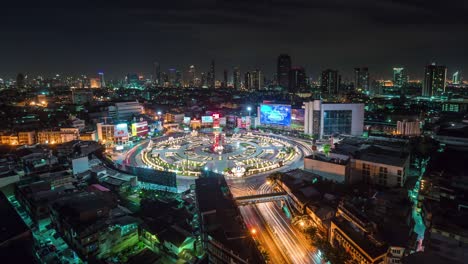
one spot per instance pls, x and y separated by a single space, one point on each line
326 119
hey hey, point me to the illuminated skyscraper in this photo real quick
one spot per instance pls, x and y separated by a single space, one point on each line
330 82
157 74
456 78
248 81
400 78
361 79
236 78
434 80
101 79
283 70
178 79
191 76
212 75
297 79
257 79
20 81
225 79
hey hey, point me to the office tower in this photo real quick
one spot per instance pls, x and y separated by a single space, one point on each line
211 75
178 79
330 82
434 80
101 80
283 70
203 79
20 81
247 81
190 80
456 78
236 78
297 79
400 78
172 77
328 119
257 80
361 79
157 73
225 79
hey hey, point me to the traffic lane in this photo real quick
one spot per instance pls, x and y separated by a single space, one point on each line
254 221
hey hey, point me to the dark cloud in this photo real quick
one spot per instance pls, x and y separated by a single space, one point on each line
126 36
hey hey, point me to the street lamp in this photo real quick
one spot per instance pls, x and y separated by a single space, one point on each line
249 109
253 231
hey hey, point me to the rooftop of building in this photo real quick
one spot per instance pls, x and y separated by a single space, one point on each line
332 158
366 242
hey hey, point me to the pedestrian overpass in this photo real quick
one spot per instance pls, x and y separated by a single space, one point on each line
261 198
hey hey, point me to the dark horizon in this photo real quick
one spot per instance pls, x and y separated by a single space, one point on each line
119 38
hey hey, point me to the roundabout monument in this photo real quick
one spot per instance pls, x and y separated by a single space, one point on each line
234 155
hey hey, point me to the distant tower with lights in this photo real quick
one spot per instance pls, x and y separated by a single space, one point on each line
236 78
330 82
456 78
283 70
400 77
212 75
361 79
434 80
102 80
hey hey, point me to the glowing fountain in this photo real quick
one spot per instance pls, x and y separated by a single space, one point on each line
238 171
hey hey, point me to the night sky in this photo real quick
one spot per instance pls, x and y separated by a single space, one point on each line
118 37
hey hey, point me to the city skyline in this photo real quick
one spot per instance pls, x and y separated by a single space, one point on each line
122 38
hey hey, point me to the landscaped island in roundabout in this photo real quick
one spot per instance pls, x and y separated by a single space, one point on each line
234 155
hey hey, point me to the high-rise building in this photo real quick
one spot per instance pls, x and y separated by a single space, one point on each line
257 79
400 78
20 81
283 70
253 80
225 79
212 75
456 78
330 82
102 80
157 73
297 79
190 81
203 80
236 78
434 80
361 79
178 79
248 81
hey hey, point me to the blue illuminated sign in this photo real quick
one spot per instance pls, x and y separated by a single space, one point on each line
275 114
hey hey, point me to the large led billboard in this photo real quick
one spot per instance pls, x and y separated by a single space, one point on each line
121 130
140 129
275 114
207 119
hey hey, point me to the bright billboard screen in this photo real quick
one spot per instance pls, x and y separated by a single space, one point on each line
121 130
207 119
275 114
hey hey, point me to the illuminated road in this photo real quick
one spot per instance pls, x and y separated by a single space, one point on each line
289 243
266 239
